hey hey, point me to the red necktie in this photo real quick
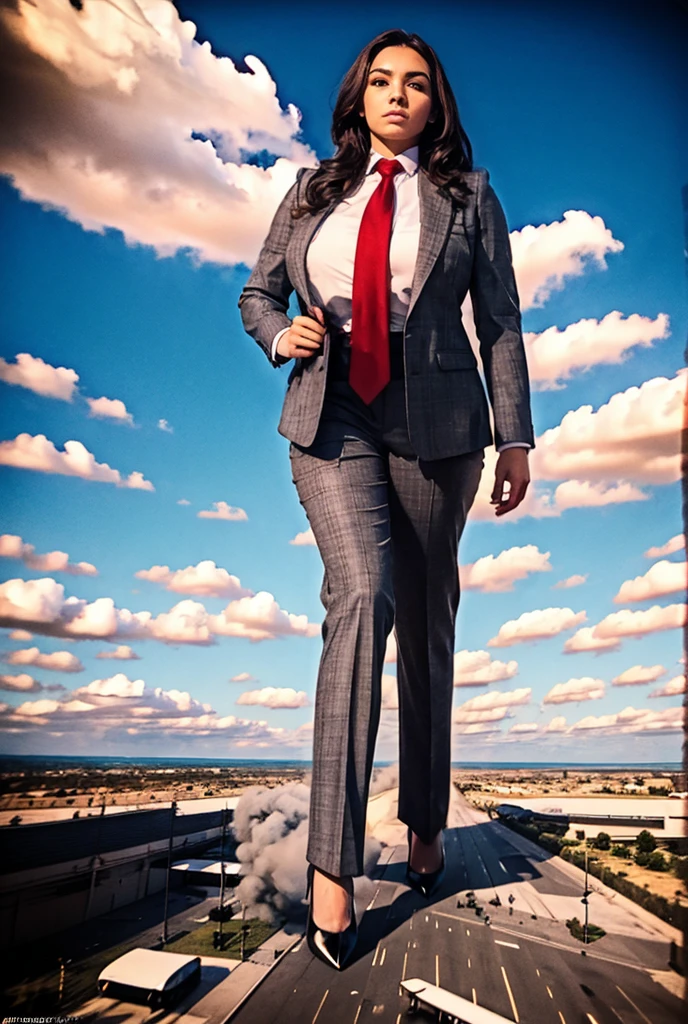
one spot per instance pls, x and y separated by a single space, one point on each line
369 368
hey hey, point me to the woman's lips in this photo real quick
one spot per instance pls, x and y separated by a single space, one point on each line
395 117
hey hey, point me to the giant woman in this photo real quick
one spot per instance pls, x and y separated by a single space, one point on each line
388 421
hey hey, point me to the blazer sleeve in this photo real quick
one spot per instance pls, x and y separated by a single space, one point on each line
497 315
264 299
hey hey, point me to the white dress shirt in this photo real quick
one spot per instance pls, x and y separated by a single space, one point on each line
332 250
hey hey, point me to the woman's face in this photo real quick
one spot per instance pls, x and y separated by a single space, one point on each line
398 84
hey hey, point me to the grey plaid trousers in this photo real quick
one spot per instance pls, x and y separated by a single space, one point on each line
387 525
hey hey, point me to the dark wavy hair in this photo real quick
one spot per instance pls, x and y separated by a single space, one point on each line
444 149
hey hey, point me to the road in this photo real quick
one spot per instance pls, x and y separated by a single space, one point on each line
524 965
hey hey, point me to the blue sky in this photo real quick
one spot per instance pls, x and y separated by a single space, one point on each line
130 243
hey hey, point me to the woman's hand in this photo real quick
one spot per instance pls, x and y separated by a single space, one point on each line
512 468
304 337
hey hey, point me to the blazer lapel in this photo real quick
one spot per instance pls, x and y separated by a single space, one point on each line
435 219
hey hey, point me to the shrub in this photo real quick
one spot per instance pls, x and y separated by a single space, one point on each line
681 868
642 859
646 842
619 851
657 861
603 841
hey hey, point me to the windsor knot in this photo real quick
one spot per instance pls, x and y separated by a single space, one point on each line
387 168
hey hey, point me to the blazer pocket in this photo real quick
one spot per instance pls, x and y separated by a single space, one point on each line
454 359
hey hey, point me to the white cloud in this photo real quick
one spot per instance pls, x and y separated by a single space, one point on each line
661 579
632 720
260 618
672 688
121 653
478 668
524 728
547 255
554 355
164 426
491 707
275 697
223 511
20 634
110 409
118 685
556 725
119 709
40 454
584 494
42 605
540 624
608 633
633 438
183 501
242 677
495 573
586 639
33 373
110 103
12 546
306 537
576 580
574 690
203 580
638 675
22 683
676 543
58 661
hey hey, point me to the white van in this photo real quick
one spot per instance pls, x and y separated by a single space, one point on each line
159 978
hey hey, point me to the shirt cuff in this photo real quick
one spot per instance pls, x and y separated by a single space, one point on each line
273 352
513 444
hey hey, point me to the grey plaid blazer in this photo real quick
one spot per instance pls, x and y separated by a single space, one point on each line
459 249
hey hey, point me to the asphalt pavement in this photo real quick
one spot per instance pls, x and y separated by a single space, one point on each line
524 964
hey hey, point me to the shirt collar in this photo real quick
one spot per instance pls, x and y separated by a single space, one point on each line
408 159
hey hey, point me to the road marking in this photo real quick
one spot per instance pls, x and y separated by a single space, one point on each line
468 931
503 868
320 1007
437 924
511 996
537 971
384 954
549 942
357 1012
591 1018
475 998
636 1008
512 945
469 963
377 950
437 969
549 992
403 970
561 1017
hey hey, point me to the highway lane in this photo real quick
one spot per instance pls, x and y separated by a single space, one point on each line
529 970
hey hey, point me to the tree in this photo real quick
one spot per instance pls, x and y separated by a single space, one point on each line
603 841
646 842
619 850
639 781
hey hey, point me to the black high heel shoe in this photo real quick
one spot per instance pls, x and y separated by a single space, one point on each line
424 882
333 948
